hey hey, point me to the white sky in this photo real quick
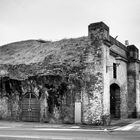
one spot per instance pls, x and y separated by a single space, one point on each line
57 19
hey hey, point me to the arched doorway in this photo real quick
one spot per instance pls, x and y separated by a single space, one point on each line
115 101
30 108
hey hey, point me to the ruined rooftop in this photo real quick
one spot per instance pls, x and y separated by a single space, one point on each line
34 57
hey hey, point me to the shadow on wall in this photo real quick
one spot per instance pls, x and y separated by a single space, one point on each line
132 114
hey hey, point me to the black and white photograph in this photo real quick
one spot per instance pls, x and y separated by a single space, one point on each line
69 70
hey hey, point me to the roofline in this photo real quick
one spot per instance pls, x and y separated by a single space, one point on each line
117 43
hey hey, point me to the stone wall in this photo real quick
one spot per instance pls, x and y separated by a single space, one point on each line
5 112
133 89
94 75
121 81
10 108
133 81
55 95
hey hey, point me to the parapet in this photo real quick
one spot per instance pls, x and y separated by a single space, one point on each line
98 30
133 52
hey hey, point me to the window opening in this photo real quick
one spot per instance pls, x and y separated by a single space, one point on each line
114 70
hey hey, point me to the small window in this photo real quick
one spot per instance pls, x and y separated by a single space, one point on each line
114 70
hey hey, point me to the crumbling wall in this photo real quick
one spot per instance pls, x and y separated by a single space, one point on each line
9 98
124 100
131 91
94 74
93 92
53 92
5 112
15 107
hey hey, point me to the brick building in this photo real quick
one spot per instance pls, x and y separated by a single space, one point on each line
83 80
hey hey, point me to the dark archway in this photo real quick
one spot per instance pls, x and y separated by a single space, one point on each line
115 101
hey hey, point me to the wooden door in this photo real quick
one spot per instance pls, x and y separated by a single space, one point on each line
115 101
30 108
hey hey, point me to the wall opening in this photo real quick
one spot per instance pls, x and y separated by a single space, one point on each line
58 98
40 98
115 101
30 108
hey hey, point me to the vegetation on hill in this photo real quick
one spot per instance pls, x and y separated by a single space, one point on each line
33 57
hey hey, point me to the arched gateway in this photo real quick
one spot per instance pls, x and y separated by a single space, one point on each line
30 107
115 101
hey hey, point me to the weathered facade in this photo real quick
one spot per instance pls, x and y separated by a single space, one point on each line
87 80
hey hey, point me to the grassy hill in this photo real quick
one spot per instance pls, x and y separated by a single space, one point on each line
31 57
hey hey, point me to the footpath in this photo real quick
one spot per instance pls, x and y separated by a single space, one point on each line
114 125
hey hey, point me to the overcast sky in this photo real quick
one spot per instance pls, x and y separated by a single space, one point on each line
57 19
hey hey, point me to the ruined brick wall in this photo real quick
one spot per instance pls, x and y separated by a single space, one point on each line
122 79
5 112
9 100
132 78
59 111
9 109
133 81
15 107
46 89
94 75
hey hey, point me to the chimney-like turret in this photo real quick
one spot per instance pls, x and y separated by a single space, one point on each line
133 53
96 63
98 31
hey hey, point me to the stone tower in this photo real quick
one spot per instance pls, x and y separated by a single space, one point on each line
133 82
95 96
